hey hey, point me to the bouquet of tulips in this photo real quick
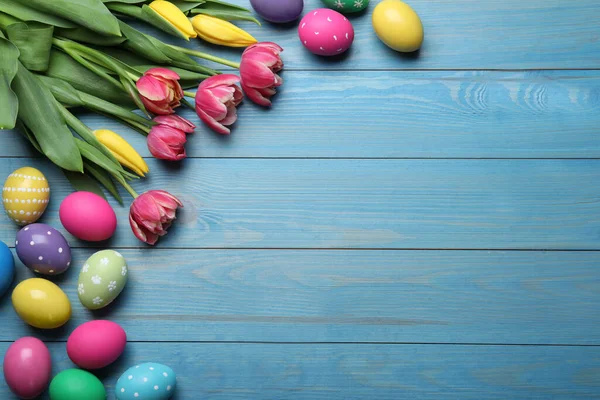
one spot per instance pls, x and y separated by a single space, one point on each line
64 54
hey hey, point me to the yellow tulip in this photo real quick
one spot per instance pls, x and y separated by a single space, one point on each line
123 152
174 16
224 33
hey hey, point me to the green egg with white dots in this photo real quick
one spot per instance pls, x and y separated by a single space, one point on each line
102 279
346 6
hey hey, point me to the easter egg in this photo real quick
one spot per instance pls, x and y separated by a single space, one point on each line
41 303
43 249
76 384
96 344
149 381
27 367
326 32
102 279
346 6
278 11
7 268
88 216
25 195
398 25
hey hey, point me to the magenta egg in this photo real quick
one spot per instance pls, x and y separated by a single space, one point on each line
326 32
27 367
96 344
88 216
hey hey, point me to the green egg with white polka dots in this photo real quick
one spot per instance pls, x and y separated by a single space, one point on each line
102 278
346 6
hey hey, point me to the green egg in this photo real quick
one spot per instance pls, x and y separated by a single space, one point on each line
346 6
76 384
102 279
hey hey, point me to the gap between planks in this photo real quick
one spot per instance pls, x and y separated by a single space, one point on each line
244 342
39 157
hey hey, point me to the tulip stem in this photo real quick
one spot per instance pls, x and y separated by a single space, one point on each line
205 56
189 94
129 190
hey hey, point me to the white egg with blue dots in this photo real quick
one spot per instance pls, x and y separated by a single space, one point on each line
148 381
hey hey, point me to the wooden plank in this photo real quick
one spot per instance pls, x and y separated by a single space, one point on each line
345 296
388 372
424 204
463 34
402 114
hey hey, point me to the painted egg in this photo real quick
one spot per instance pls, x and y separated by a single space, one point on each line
149 381
88 216
96 344
398 26
346 6
41 303
76 384
7 268
43 249
102 279
25 195
326 32
278 11
27 367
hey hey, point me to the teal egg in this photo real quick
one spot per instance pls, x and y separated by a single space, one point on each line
148 381
7 268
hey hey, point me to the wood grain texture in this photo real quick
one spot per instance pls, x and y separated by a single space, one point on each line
344 296
353 372
545 114
463 34
425 204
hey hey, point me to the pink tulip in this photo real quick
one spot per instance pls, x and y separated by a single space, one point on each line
216 101
258 69
167 143
151 214
160 90
175 121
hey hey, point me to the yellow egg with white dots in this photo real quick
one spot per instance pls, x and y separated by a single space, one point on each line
25 195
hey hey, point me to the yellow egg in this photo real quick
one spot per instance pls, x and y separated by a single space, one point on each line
41 303
398 25
25 195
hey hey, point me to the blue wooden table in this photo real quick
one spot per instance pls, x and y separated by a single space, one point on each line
396 227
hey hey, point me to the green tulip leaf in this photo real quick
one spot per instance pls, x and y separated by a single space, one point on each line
19 10
104 178
62 91
38 111
143 45
23 130
91 14
186 6
83 183
217 3
64 67
9 103
84 35
34 41
226 14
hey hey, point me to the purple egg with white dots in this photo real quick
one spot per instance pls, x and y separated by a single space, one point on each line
43 249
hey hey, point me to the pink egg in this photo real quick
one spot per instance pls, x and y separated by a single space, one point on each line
88 216
326 32
96 344
27 367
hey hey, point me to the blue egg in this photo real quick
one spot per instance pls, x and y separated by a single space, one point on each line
148 381
7 268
